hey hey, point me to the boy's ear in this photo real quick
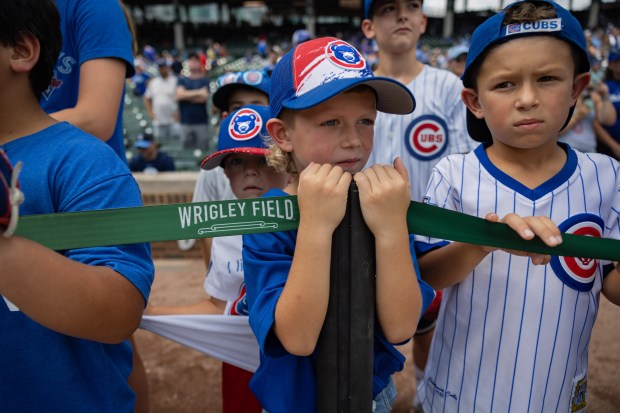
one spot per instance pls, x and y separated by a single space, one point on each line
470 98
424 23
367 29
25 54
279 132
581 82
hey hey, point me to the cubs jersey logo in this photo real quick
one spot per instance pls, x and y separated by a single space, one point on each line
426 137
344 55
578 273
240 305
245 125
252 77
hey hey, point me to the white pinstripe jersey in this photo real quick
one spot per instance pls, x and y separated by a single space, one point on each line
436 128
513 337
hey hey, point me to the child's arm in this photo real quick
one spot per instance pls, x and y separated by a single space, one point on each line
302 306
611 285
209 305
384 197
100 93
84 301
449 265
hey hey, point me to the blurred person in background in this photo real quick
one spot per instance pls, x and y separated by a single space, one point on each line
192 94
150 159
160 102
456 56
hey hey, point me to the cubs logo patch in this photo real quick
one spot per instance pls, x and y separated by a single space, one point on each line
240 305
227 78
344 55
578 273
426 137
246 124
318 63
252 77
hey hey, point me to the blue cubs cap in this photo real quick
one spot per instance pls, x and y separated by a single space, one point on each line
319 69
493 31
614 54
144 140
243 131
229 82
367 8
455 51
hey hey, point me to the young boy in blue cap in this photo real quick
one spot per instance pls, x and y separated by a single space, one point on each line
514 328
323 102
66 315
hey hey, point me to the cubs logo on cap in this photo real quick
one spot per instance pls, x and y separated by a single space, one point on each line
578 273
245 124
243 131
493 31
344 55
319 69
252 77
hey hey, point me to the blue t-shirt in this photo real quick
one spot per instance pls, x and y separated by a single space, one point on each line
193 113
163 163
91 29
66 169
614 95
284 382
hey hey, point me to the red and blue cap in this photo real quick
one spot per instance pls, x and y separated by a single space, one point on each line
228 82
319 69
493 31
243 131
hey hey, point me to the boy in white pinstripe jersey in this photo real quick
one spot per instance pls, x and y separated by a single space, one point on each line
514 328
436 127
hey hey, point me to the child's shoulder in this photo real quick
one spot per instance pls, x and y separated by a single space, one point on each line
435 82
62 144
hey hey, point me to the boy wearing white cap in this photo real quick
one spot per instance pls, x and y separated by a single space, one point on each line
323 101
513 329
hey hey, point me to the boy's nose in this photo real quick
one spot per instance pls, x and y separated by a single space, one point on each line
353 139
527 96
251 168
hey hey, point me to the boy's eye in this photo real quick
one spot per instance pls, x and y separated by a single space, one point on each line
262 161
547 78
368 122
504 85
234 161
331 122
414 5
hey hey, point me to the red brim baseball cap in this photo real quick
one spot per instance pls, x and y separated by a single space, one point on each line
242 132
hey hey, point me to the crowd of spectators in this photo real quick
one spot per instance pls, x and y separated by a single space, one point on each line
204 63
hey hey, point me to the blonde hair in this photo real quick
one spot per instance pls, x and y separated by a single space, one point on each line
278 159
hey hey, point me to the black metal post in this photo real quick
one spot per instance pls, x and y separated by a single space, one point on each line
345 347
